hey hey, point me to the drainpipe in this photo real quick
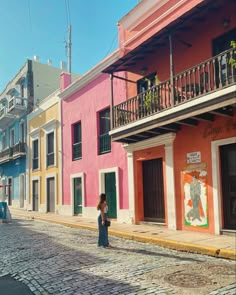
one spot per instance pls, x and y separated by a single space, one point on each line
112 101
171 70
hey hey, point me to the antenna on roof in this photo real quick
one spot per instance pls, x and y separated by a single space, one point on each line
69 49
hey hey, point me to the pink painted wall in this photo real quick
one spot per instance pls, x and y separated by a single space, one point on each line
84 106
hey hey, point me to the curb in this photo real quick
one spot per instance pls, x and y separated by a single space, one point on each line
166 243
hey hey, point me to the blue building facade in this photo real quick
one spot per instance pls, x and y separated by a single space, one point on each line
32 83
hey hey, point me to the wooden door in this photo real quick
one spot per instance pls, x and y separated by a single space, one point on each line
228 182
110 191
35 190
77 195
153 191
51 194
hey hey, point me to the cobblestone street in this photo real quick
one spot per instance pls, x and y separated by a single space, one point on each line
53 259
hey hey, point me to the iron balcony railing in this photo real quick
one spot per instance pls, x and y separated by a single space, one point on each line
104 143
6 153
208 76
19 148
12 151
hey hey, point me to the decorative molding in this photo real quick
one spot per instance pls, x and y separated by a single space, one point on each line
164 139
140 12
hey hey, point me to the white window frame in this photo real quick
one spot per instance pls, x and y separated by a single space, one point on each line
12 131
54 147
48 128
4 141
32 158
22 123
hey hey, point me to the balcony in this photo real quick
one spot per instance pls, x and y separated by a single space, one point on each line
17 106
18 150
6 155
199 93
5 117
11 153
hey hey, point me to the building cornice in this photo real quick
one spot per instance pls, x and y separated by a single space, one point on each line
140 12
90 75
165 139
155 22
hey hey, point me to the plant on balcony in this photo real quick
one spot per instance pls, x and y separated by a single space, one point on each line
233 60
150 95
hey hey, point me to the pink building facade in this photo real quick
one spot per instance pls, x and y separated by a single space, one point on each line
92 164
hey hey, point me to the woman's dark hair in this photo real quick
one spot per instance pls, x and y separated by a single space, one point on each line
102 199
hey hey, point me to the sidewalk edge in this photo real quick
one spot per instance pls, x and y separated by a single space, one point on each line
162 242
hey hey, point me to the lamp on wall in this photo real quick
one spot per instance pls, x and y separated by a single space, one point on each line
226 23
143 70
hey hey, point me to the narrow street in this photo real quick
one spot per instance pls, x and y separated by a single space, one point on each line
53 259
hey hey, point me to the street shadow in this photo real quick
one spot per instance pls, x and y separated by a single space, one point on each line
156 254
52 265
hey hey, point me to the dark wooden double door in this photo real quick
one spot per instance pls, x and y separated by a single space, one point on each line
228 182
153 190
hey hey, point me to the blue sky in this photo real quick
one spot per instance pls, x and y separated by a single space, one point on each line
39 27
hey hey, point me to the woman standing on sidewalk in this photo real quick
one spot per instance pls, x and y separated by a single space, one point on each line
102 228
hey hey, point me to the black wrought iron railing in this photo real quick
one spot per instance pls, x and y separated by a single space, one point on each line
19 148
6 153
77 151
206 77
104 143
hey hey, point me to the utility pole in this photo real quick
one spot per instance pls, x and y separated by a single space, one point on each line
69 48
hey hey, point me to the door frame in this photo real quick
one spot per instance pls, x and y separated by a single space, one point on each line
39 191
167 141
51 175
216 181
72 200
101 174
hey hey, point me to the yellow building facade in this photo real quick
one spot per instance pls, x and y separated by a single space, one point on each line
44 156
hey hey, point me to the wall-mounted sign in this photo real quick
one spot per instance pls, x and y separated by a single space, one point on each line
194 157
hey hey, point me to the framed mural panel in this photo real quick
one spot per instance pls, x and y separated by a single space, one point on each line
194 180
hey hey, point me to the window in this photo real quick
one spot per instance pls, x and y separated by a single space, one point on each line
22 132
104 137
4 142
50 149
12 132
35 163
77 144
22 89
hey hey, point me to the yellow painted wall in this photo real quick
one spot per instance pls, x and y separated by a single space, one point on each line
37 123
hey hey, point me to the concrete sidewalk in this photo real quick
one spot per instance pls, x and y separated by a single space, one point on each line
223 246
